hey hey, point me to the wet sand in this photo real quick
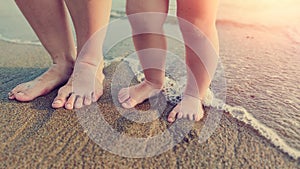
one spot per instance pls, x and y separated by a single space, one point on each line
33 135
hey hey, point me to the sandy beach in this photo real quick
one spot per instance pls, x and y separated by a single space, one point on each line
33 135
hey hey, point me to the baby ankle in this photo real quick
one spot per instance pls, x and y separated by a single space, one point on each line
156 85
186 94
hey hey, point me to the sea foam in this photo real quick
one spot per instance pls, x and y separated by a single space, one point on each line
173 89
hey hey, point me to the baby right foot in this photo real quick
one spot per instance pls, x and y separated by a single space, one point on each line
134 95
190 108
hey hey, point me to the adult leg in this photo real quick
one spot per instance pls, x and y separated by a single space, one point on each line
85 86
150 48
202 14
48 18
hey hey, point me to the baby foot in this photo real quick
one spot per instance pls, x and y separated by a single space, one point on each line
131 96
55 76
190 107
84 87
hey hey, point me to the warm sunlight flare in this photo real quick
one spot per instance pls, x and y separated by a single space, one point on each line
264 12
150 84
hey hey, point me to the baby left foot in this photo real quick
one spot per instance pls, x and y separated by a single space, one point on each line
134 95
190 108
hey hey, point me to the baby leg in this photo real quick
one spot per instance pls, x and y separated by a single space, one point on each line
150 44
201 54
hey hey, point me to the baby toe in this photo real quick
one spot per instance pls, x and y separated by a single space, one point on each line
179 115
172 116
123 95
197 117
190 117
130 103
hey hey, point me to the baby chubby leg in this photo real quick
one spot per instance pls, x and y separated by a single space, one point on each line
197 24
150 44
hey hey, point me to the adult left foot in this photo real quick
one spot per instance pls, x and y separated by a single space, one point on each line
55 76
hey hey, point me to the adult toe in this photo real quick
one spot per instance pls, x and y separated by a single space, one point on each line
79 102
60 99
70 103
24 96
88 100
14 91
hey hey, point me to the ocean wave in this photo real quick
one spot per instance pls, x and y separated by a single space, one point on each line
117 14
293 34
241 114
173 90
19 41
241 24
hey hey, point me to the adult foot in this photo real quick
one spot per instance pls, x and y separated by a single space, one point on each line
55 76
84 87
131 96
190 107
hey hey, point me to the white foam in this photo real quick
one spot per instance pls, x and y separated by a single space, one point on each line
173 90
19 41
243 115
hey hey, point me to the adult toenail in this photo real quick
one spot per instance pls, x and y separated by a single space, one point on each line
21 93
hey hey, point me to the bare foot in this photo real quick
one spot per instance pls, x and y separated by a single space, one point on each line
55 76
190 107
131 96
84 87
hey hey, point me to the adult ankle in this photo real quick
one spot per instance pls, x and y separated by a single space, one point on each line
66 59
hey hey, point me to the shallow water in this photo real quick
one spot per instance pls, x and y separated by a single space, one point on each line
263 86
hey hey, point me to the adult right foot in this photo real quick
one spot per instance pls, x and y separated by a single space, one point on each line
84 87
55 76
